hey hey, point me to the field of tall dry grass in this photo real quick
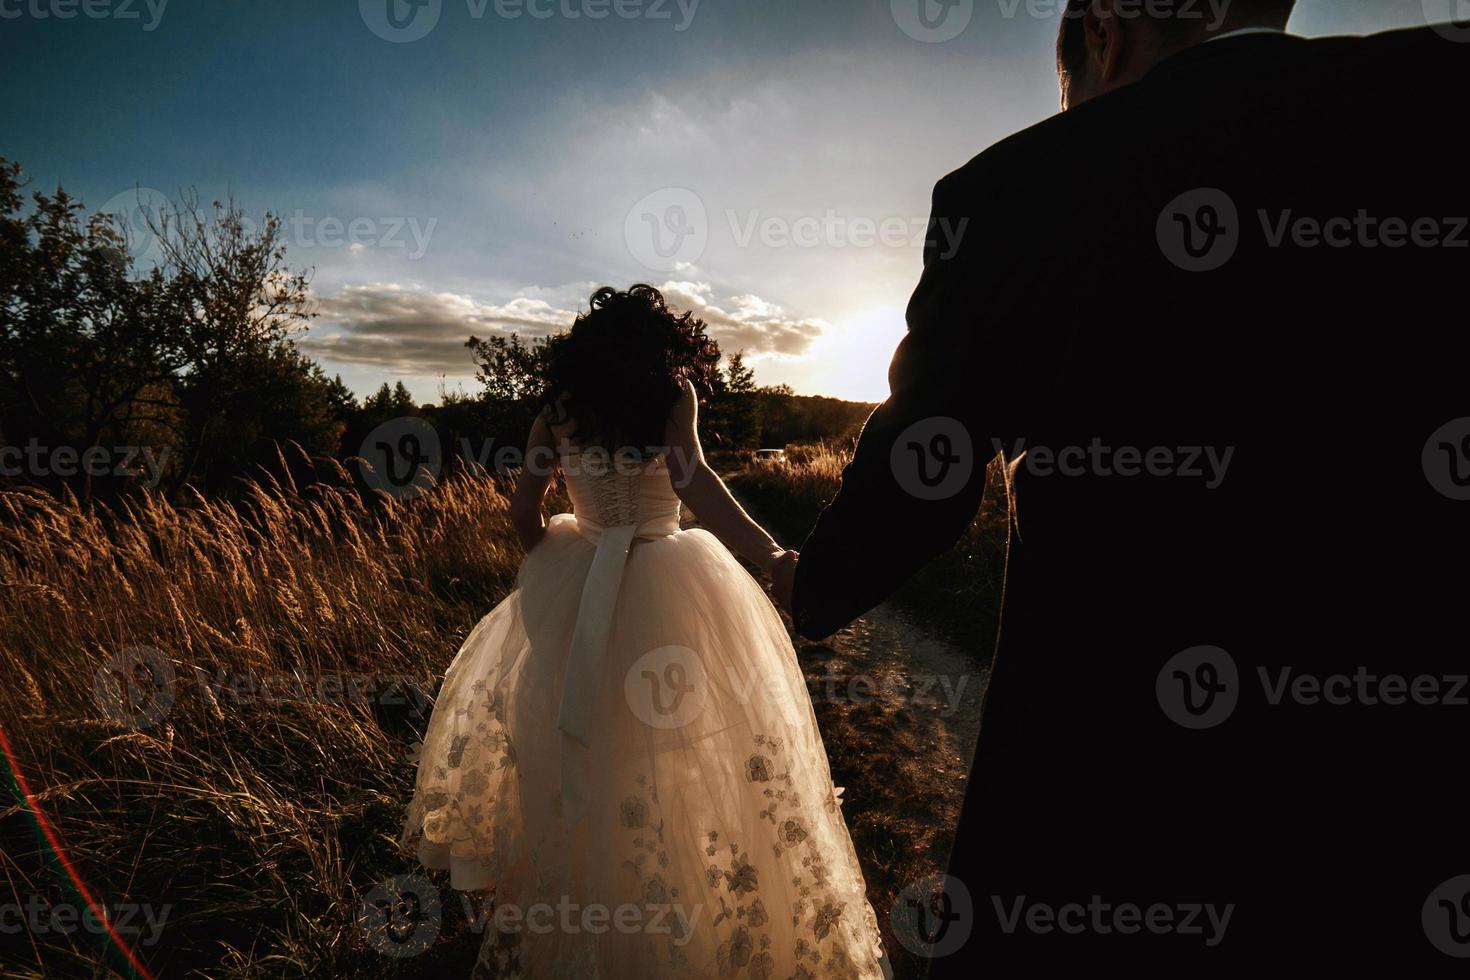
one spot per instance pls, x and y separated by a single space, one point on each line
253 801
210 712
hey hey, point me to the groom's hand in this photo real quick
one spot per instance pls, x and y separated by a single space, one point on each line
783 579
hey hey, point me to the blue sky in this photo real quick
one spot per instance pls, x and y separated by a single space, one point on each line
487 163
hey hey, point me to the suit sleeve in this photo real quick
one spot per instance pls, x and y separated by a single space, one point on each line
916 479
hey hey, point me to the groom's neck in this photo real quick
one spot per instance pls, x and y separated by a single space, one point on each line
1115 58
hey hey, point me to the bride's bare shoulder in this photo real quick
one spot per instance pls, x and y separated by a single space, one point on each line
688 397
685 414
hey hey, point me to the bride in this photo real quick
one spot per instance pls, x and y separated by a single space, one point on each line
624 750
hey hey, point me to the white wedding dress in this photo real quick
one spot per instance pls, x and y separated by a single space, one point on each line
624 749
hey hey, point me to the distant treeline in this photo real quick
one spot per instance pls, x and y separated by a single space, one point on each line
187 375
787 418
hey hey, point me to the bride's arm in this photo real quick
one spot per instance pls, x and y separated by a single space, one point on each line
705 493
537 469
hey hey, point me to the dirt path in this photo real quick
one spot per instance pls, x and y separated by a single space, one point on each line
932 687
899 710
904 708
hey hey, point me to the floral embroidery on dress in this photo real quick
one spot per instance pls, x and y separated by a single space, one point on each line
634 812
816 911
456 792
500 957
745 878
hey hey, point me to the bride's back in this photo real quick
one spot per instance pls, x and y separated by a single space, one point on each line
618 491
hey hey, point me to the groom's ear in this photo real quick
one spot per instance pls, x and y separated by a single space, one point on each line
1106 35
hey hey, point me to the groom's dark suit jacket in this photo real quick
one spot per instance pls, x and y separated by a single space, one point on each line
1327 549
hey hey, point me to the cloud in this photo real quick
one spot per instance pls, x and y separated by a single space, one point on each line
418 332
750 323
413 331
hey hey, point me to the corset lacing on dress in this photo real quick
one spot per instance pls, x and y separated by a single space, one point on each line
615 497
609 493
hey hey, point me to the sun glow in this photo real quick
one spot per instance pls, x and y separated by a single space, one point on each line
849 361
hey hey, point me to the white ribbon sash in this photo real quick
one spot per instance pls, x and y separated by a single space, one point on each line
587 661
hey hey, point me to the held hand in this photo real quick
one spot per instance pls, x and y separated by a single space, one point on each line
783 579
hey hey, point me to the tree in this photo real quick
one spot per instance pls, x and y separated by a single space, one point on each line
734 415
87 354
289 400
339 396
239 307
739 378
509 370
389 402
192 360
512 376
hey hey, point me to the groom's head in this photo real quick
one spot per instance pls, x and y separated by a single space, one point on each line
1106 44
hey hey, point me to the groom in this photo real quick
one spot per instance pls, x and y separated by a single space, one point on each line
1212 313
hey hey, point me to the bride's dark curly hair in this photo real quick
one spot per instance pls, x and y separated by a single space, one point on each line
617 373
